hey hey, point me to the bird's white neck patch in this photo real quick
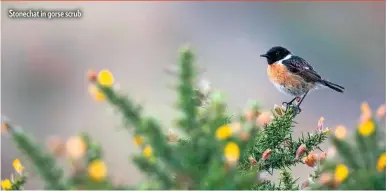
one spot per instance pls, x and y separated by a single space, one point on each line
286 57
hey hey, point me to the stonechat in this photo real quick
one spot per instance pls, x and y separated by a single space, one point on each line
294 76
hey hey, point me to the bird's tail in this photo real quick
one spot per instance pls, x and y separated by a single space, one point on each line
333 86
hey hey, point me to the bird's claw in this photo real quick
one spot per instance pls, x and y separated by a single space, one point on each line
286 104
296 108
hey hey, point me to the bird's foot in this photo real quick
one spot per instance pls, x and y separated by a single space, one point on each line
287 105
296 108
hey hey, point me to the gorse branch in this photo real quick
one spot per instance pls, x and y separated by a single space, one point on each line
276 136
43 162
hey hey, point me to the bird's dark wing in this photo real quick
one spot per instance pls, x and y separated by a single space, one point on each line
298 66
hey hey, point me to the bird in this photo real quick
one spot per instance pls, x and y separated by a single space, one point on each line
294 76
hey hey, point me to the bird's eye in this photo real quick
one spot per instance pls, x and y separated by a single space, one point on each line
277 53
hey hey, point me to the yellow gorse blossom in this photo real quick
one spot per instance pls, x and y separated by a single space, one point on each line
381 165
105 78
97 170
231 152
367 128
223 132
76 147
96 93
6 184
340 132
147 152
138 140
18 166
341 173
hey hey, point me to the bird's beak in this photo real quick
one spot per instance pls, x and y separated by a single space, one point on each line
263 55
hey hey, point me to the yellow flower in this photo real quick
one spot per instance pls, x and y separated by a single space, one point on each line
367 128
231 152
223 132
138 140
381 162
105 78
18 166
340 132
75 147
97 170
147 152
341 173
6 184
96 93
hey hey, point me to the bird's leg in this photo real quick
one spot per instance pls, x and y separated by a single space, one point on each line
297 109
287 104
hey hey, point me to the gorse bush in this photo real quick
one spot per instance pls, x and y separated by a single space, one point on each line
361 163
217 150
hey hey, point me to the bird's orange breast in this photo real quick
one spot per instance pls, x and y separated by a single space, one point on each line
279 74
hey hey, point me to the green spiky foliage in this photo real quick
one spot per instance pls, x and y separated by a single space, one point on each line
52 174
43 162
277 136
362 155
197 161
204 157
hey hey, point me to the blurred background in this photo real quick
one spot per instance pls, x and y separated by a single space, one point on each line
44 62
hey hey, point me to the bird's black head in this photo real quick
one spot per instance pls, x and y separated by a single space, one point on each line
276 53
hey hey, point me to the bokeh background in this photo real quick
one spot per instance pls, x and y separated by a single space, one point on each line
43 86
